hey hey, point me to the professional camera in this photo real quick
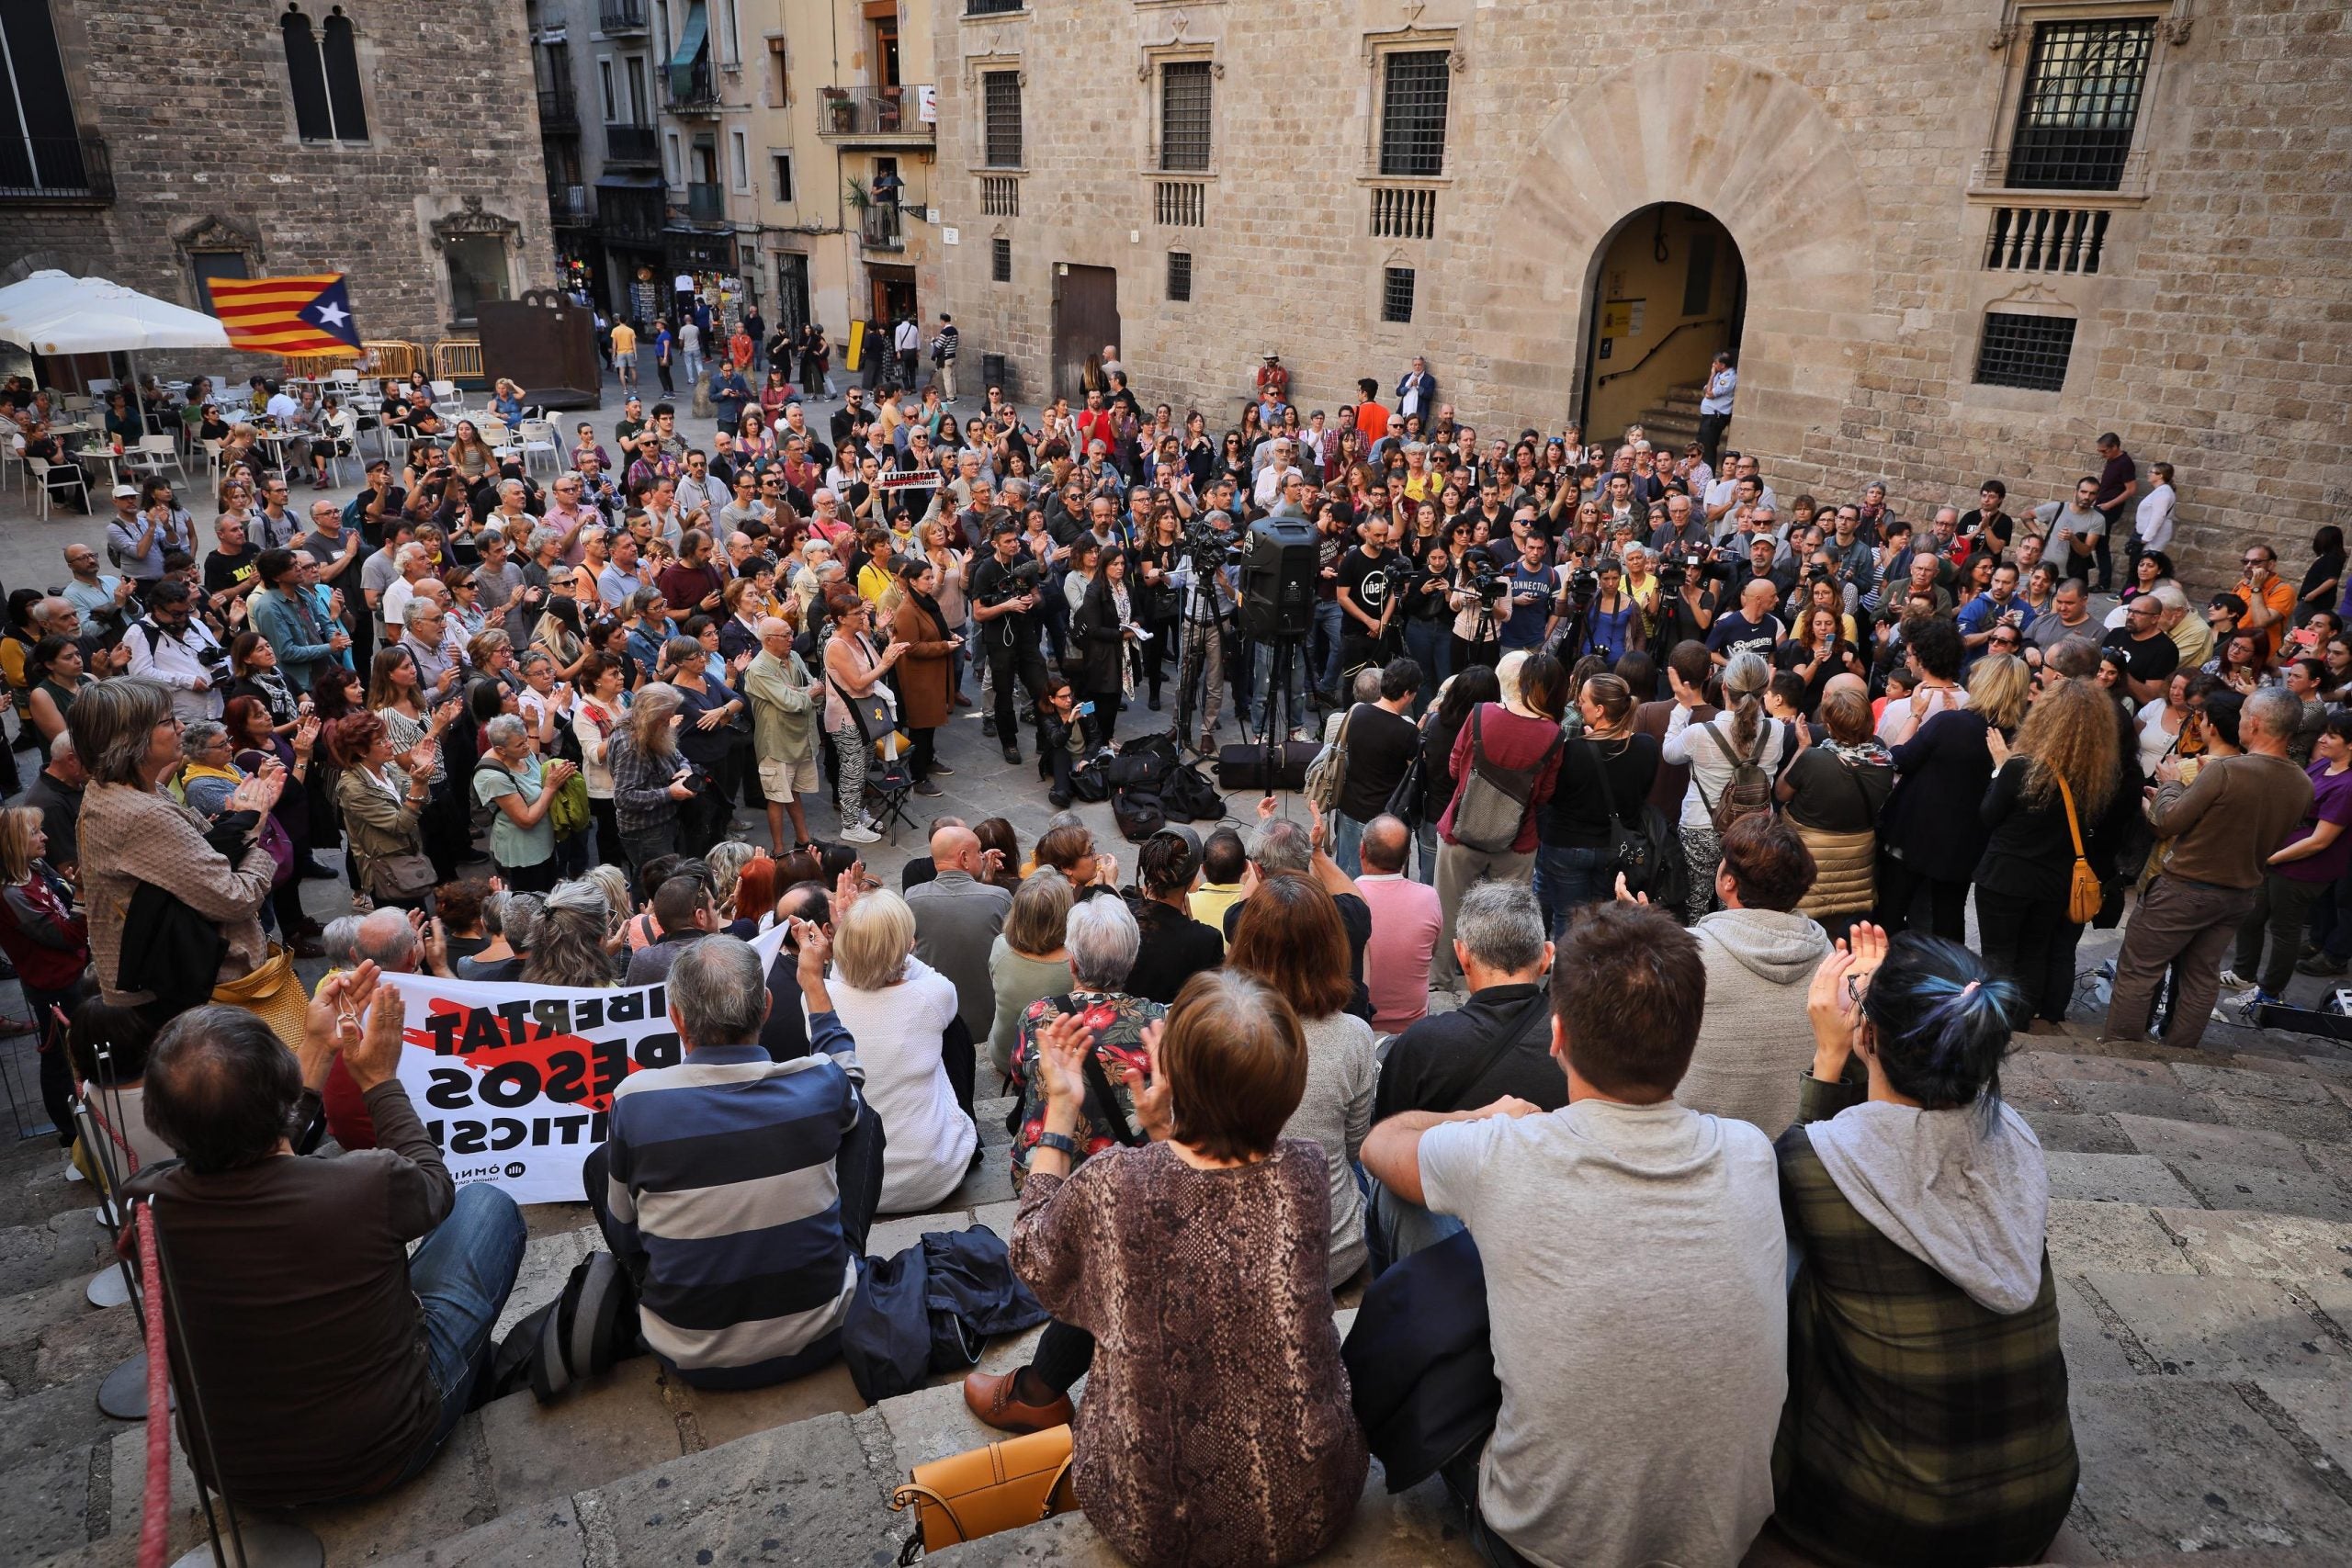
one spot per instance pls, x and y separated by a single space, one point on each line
1582 584
1489 585
1020 578
1208 546
1675 570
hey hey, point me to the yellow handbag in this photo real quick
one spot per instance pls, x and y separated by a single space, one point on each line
1002 1486
2084 893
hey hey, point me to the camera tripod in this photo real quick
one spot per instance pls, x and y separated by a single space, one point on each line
1200 622
1280 714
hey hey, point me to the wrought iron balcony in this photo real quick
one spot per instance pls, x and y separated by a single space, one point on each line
558 113
881 229
692 89
874 117
705 204
616 17
571 207
631 144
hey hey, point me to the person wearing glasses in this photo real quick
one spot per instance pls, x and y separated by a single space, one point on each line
2150 657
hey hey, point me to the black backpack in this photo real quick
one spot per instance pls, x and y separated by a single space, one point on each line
1138 775
1188 797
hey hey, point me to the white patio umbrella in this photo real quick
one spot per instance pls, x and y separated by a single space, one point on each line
55 313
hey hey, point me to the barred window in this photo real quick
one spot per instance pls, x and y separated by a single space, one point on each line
1180 275
1184 115
1396 294
2080 104
1412 113
1001 117
2025 351
1000 259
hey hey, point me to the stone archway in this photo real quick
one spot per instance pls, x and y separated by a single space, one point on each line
1749 145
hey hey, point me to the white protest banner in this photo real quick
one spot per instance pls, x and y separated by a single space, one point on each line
513 1081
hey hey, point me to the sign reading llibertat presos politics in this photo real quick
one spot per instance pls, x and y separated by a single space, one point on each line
513 1081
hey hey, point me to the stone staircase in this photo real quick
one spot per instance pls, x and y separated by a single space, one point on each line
1673 420
2202 1222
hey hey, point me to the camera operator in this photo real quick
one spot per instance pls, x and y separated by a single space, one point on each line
1203 600
1687 600
169 645
1005 598
1367 597
1427 616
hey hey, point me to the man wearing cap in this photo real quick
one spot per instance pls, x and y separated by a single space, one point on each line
1272 378
138 539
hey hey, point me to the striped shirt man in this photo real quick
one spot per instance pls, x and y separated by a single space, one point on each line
721 1199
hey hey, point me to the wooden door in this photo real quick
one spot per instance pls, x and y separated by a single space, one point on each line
1086 316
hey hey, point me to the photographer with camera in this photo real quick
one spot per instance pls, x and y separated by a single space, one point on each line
1687 600
1204 600
1427 613
1005 598
170 646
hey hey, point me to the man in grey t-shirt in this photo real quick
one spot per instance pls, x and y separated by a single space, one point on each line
1635 1273
2075 524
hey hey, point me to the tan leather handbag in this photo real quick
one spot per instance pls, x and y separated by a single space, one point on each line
1000 1487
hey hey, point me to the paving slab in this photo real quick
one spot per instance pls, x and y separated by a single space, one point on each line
2270 1080
2116 1178
2075 1067
2093 1346
2327 1120
26 1315
604 1428
73 1247
932 1423
2110 1236
2171 1465
801 1494
2323 1410
547 1536
888 1238
2187 1143
2203 1327
2078 1134
721 1415
998 1217
2332 1157
450 1496
127 1486
2272 1191
2261 1247
49 1507
67 1416
990 1183
2144 1099
91 1342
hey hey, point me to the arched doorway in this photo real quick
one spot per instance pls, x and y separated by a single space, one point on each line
1668 290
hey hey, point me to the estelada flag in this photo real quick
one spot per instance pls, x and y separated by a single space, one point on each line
285 315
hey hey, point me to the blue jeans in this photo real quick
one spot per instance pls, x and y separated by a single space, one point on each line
1347 842
1430 645
1566 879
1396 1228
461 1276
1426 835
1296 710
1328 625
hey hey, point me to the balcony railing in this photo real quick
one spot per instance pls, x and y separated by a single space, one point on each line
879 230
999 197
56 169
1180 204
705 204
631 144
885 115
1403 212
571 206
692 89
630 214
615 18
2046 239
558 110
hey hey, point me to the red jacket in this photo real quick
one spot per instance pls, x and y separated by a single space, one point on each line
1507 740
43 935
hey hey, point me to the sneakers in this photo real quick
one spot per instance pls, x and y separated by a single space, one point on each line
860 833
2234 981
941 770
927 789
2244 1009
988 725
1011 752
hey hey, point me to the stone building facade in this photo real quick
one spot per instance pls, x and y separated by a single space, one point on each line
1949 238
397 142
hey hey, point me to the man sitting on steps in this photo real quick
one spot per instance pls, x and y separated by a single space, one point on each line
737 1191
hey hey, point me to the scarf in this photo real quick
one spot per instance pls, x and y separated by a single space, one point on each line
1870 753
928 605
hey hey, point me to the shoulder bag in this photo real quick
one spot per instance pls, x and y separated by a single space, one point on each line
2084 893
1004 1486
1327 775
1645 856
1494 799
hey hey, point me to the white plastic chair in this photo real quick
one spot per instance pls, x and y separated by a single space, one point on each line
346 378
41 468
448 399
151 453
212 465
538 436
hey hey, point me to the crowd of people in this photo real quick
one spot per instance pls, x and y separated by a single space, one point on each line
1679 801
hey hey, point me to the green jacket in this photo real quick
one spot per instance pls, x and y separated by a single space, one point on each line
782 727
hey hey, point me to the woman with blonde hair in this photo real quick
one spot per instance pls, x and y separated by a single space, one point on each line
2050 796
1932 833
898 1009
1028 960
469 454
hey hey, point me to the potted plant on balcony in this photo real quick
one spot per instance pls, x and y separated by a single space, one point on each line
841 114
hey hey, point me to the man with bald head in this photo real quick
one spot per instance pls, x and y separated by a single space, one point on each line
957 917
784 735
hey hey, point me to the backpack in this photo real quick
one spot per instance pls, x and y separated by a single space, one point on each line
1749 790
1326 776
1493 804
1188 797
1137 775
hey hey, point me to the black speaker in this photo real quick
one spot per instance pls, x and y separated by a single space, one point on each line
1278 578
1242 765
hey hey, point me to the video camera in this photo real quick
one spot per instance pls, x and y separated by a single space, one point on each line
1022 577
1208 546
1686 562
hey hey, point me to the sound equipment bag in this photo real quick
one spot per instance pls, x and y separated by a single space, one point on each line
1243 766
